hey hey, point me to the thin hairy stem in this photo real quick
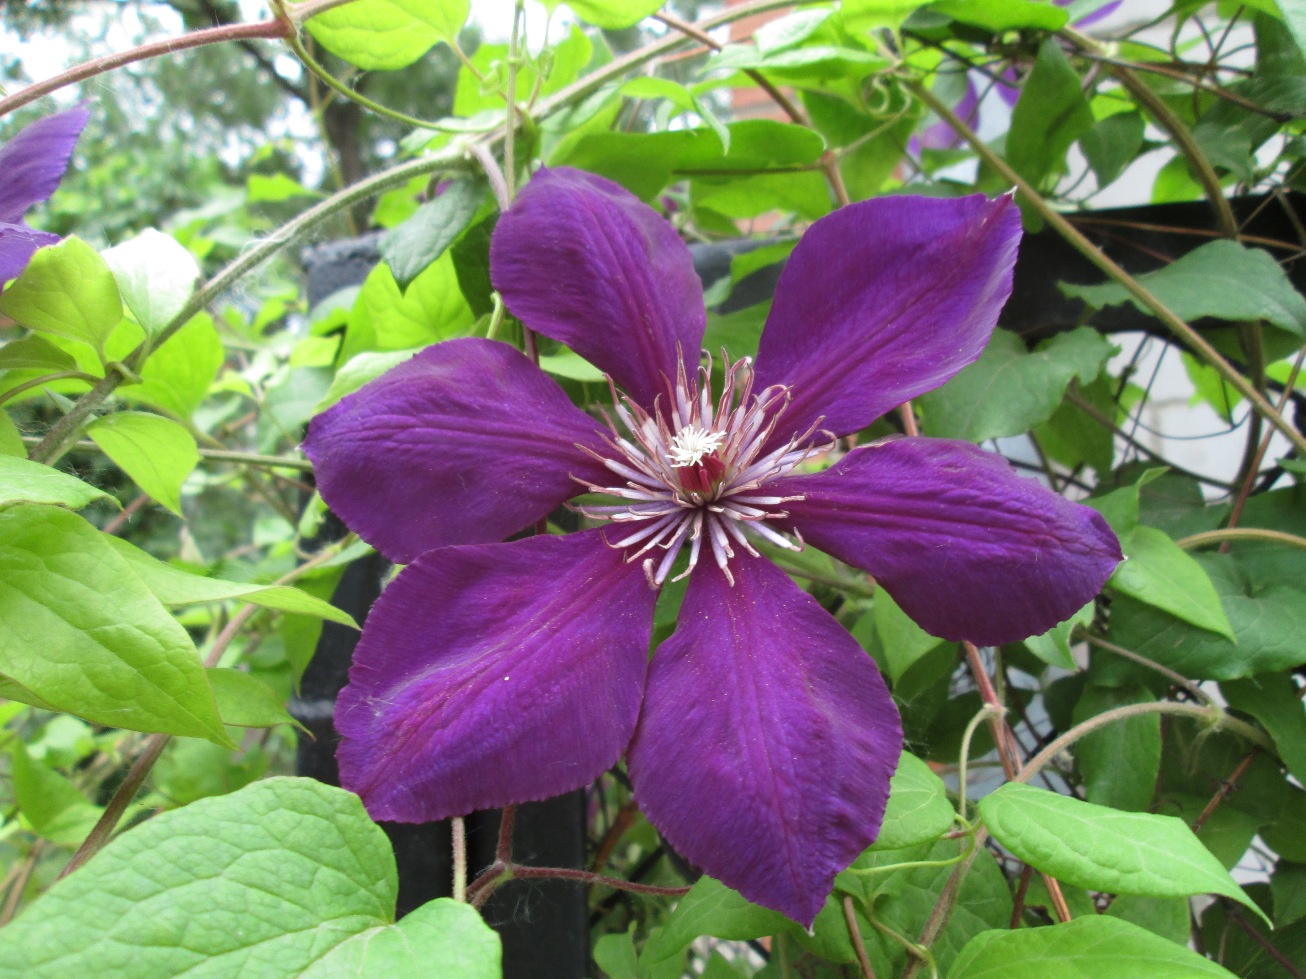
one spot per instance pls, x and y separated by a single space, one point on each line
36 382
265 29
515 55
1245 488
855 935
503 849
1211 715
1225 790
458 828
1174 677
217 455
338 86
1240 533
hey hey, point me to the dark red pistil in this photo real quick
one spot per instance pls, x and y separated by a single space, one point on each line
703 476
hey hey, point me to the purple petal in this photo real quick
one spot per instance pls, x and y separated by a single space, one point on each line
885 300
495 674
33 162
18 243
466 443
970 550
767 740
580 259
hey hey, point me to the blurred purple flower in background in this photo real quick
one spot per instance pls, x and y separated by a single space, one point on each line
760 737
31 165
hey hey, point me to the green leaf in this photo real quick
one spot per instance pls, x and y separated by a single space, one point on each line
172 586
1119 762
275 188
83 635
571 365
790 30
1053 647
1009 389
1175 504
1275 701
1286 836
432 308
615 954
903 899
711 908
11 440
613 15
189 770
646 87
441 938
246 701
1089 946
641 162
1222 279
300 634
285 878
1051 114
1104 849
1243 945
1121 507
22 481
1294 16
156 276
919 810
51 806
419 241
290 399
1004 15
903 641
813 64
178 374
35 353
1288 887
1164 916
1268 622
864 14
1073 437
1159 572
382 35
470 256
1112 144
68 291
1268 563
804 194
358 371
756 144
644 162
156 453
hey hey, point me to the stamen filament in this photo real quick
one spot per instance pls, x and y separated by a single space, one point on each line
696 468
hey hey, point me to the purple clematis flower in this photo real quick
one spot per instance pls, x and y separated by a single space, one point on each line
33 163
760 737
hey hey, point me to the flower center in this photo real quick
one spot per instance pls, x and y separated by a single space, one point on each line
690 444
696 470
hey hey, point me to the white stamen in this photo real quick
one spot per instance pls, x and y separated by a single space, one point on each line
663 508
690 444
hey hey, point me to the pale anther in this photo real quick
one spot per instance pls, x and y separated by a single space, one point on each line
691 444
